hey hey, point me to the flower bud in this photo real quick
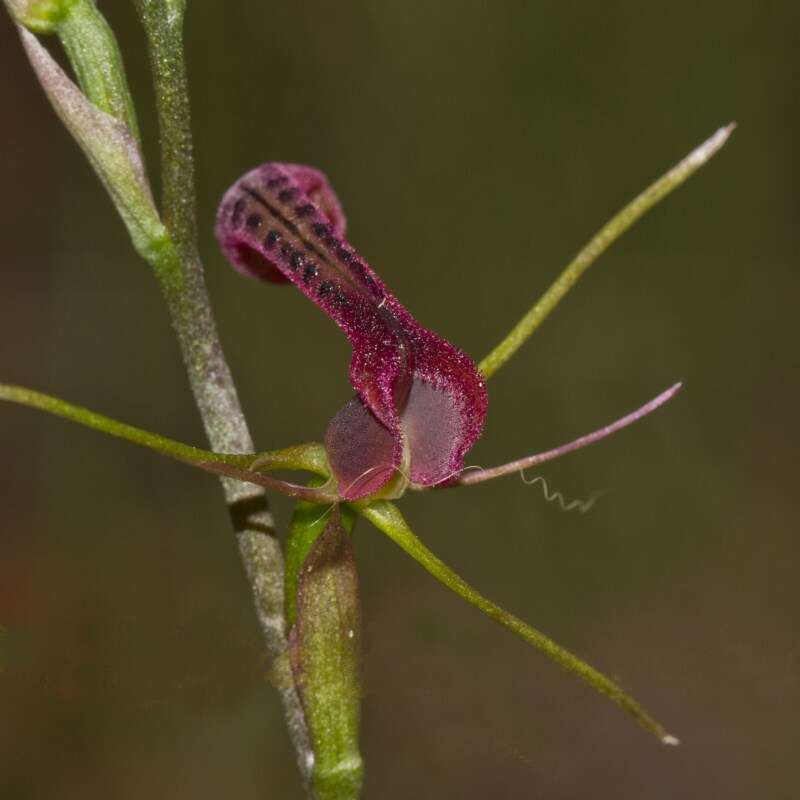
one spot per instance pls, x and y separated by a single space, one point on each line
40 16
91 47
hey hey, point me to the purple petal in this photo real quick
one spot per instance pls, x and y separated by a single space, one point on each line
363 453
267 225
307 181
284 222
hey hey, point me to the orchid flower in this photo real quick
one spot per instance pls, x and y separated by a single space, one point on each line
420 403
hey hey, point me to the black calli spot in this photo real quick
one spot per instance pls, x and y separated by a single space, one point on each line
238 208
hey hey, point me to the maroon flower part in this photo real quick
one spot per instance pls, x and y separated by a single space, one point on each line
421 402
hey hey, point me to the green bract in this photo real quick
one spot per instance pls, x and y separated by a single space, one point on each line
111 148
322 610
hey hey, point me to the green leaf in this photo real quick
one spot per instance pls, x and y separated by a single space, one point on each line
388 519
324 645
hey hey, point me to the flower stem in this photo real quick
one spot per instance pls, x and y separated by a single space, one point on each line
388 519
185 292
101 117
606 236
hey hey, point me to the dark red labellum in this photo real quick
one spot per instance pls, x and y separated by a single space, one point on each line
421 402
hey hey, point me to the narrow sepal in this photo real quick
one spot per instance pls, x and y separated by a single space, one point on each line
388 519
599 243
479 475
248 467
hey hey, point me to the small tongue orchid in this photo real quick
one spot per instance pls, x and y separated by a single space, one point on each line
419 406
420 402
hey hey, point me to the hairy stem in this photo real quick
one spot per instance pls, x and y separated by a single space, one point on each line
181 277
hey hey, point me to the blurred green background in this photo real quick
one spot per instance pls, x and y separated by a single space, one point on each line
475 147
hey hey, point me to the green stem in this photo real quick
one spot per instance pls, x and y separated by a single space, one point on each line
163 24
388 519
184 289
178 267
611 231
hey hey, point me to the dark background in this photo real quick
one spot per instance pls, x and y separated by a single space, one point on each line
475 147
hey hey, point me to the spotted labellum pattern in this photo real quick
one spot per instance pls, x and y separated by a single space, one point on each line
420 402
